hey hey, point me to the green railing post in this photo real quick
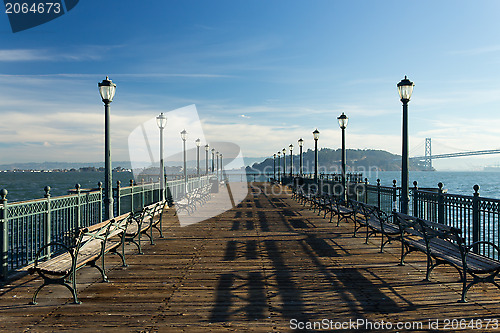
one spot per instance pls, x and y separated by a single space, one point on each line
4 220
415 199
169 192
394 196
117 199
475 218
366 190
99 185
47 225
158 192
78 217
440 204
378 193
143 189
132 196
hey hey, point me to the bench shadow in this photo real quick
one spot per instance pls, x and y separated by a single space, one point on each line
251 288
264 225
321 247
298 224
229 295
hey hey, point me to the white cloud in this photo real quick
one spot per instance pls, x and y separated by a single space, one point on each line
80 53
23 55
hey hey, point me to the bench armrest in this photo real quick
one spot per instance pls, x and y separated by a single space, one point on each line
468 248
67 248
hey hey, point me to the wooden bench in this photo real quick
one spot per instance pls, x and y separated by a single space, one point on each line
299 194
324 203
309 197
443 244
376 222
200 195
184 204
91 245
143 222
195 198
343 210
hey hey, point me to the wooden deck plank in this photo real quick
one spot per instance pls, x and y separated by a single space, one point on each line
251 269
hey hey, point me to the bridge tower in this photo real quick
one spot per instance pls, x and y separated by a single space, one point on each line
428 154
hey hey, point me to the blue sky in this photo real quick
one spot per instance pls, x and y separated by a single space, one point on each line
262 74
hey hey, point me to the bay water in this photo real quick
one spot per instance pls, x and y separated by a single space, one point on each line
455 182
23 186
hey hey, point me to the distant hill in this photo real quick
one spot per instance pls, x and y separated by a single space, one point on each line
60 165
329 161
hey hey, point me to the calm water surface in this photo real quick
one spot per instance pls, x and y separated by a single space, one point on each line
455 182
29 185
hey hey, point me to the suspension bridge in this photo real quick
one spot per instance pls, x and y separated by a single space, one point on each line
428 157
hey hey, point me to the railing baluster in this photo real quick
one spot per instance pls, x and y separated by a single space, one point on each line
4 229
118 199
440 204
101 205
78 208
378 193
415 199
475 218
47 223
394 195
132 208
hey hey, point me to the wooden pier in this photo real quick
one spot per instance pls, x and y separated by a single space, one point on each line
267 265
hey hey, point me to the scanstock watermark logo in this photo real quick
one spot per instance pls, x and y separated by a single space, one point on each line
26 14
144 151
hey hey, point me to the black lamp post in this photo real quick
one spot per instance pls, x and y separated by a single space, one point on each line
274 166
207 148
198 144
291 159
184 137
221 168
107 90
279 165
316 137
217 167
284 163
213 160
343 124
301 143
405 89
161 120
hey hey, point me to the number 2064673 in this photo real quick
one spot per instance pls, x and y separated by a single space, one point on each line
35 8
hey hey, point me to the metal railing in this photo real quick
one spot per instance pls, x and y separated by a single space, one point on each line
335 177
28 225
384 197
134 197
331 185
477 217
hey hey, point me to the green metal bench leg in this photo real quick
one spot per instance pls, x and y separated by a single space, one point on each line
73 292
33 301
465 288
139 244
103 274
60 282
151 231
